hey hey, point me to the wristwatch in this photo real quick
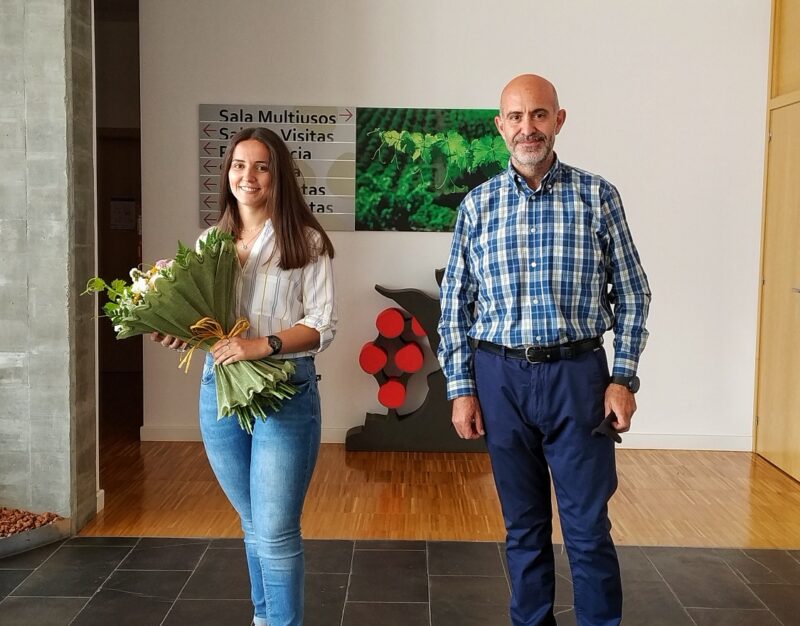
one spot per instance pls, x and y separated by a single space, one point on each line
630 382
275 343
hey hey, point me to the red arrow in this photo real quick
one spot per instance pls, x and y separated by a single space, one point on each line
206 183
205 130
205 148
206 168
349 115
207 218
206 199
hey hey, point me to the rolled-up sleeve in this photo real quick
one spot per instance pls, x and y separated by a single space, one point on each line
319 300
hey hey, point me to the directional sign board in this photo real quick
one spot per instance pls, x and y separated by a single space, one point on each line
322 141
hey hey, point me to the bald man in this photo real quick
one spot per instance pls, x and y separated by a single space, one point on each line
542 264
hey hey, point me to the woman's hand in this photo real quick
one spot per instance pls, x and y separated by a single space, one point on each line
227 351
168 341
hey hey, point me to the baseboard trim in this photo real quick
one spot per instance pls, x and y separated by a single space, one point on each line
170 433
664 441
631 441
334 435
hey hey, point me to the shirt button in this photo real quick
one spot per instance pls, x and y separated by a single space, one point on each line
533 264
538 337
535 301
533 230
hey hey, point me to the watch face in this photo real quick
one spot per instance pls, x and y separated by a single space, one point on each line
275 343
633 385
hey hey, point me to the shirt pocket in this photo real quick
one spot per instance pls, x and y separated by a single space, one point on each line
275 296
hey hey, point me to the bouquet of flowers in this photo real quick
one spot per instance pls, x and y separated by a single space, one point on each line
191 297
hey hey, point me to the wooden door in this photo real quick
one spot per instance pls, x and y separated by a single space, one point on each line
778 397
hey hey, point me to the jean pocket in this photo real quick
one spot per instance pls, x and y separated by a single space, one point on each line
306 390
302 385
208 373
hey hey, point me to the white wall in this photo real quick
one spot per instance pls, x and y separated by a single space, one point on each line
665 99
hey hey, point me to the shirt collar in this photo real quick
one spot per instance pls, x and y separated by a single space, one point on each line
516 180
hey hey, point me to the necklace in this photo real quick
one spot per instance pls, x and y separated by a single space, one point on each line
246 244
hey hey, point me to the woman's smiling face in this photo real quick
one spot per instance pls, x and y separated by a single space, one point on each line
249 176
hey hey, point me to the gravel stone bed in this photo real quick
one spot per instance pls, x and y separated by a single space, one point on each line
13 521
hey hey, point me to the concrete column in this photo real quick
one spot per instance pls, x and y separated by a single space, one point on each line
47 388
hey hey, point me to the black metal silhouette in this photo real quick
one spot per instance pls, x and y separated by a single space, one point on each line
428 428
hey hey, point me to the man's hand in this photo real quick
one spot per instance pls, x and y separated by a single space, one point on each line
467 417
620 400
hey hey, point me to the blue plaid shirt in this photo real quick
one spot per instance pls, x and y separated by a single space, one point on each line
533 268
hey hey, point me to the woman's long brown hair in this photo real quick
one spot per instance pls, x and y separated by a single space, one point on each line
290 214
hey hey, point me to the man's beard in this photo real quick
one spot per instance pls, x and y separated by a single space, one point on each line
524 156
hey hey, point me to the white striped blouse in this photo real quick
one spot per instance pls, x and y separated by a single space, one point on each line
273 299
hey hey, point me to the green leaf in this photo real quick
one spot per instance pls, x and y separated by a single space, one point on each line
392 139
488 151
500 151
457 150
94 285
183 252
407 144
482 151
417 139
423 146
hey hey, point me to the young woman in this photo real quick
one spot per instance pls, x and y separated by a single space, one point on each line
285 290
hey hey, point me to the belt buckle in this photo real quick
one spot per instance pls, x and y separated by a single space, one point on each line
567 352
531 350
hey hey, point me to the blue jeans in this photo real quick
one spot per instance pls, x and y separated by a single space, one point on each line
538 419
265 476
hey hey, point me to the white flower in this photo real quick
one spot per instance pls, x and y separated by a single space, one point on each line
140 285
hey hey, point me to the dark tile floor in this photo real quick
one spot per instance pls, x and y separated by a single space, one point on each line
193 582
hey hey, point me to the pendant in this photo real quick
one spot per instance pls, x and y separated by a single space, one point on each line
244 246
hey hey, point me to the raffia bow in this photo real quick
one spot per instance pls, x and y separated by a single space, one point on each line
208 328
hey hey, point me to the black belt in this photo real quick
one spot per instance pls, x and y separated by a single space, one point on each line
536 354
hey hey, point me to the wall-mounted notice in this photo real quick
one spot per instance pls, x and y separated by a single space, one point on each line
321 140
122 213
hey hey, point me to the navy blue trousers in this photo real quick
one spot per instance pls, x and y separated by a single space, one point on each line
538 419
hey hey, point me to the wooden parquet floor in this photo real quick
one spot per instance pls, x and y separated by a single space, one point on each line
665 497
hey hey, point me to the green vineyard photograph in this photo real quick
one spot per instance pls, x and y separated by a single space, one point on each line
414 166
